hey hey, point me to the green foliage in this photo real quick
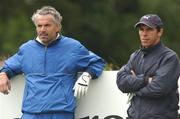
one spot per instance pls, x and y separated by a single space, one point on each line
16 31
104 26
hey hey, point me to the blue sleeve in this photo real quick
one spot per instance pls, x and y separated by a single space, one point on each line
96 65
90 62
12 66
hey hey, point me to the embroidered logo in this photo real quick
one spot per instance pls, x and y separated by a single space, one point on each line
146 17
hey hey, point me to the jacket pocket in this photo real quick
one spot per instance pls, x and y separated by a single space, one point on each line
45 93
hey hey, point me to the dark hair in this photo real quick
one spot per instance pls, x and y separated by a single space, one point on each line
159 28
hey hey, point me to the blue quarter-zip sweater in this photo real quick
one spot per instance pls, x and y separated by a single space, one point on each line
51 72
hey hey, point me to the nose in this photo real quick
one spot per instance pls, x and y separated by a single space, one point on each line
43 28
143 32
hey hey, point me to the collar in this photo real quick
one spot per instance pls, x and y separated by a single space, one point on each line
147 51
40 41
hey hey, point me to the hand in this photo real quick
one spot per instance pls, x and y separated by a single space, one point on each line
133 73
131 95
81 86
5 85
150 79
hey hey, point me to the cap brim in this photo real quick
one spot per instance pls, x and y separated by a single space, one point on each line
147 24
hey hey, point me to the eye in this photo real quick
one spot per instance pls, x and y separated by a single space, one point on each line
39 26
141 28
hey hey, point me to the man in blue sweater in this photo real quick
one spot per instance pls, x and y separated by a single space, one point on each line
50 64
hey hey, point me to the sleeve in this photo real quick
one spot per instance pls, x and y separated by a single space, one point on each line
127 82
164 81
12 66
89 62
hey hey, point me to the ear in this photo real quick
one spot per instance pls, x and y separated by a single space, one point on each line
58 28
160 32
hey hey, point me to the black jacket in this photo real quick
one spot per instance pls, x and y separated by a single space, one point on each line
158 99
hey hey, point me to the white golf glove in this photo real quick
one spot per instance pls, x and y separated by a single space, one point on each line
81 86
130 96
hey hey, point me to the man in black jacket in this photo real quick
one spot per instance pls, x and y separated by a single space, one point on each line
151 74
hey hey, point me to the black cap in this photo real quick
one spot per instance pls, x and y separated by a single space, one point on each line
150 20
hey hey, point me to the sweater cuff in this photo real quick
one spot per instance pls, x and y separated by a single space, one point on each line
91 73
6 71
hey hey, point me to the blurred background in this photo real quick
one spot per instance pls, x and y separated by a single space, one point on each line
106 27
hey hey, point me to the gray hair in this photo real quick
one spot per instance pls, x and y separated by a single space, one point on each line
48 10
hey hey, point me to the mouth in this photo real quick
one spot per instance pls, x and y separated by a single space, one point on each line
43 36
144 40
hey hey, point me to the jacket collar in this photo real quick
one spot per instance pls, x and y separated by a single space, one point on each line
53 42
39 40
147 51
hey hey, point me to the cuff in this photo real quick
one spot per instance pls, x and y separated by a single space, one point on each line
91 73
